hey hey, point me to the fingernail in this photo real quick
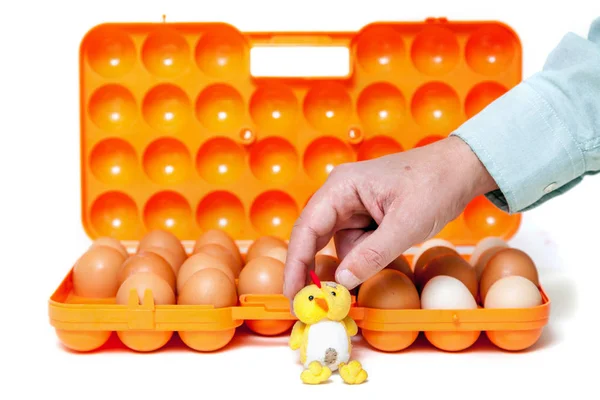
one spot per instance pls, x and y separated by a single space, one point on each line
347 279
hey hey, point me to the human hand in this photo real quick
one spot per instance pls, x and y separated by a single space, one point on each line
376 210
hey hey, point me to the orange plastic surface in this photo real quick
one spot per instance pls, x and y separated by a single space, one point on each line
176 134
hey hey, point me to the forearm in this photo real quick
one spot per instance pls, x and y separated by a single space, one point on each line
540 139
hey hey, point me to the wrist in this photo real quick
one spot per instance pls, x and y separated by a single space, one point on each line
468 168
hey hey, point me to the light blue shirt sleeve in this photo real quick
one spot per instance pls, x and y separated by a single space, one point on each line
541 138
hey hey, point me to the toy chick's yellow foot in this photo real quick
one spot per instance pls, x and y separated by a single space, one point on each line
353 373
315 373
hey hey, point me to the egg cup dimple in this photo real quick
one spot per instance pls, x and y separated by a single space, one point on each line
429 140
167 161
165 53
323 155
380 49
275 108
381 108
390 341
114 161
481 95
166 108
110 51
168 211
482 217
112 108
207 341
223 211
376 147
452 340
274 213
328 107
142 341
222 53
274 161
221 161
435 51
490 50
83 341
436 107
115 214
220 108
269 327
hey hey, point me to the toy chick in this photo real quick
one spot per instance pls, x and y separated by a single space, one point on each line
323 333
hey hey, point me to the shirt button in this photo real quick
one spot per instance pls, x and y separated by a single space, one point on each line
550 187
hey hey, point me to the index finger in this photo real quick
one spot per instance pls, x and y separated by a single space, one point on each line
316 221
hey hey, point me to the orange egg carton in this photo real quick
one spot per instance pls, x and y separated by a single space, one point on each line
85 325
177 134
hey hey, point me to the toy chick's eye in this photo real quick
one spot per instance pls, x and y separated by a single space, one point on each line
311 298
333 293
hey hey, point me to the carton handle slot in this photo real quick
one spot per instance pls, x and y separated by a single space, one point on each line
300 61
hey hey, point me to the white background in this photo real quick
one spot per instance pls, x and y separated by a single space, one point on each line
41 233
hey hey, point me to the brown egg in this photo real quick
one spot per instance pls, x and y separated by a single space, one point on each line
278 253
220 237
428 244
401 264
209 286
325 267
110 242
166 240
483 259
507 262
483 245
389 289
222 253
198 262
95 272
146 261
450 265
262 275
174 260
142 281
427 256
263 245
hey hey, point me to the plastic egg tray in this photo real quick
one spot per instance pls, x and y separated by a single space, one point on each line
176 134
85 325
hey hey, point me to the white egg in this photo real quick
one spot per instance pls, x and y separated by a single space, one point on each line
483 245
429 244
446 293
513 292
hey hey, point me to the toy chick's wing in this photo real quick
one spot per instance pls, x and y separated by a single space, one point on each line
297 335
351 327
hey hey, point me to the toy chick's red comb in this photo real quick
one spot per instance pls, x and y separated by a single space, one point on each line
315 279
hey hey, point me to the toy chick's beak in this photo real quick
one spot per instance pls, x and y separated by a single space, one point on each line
322 303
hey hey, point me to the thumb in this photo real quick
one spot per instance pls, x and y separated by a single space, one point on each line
375 252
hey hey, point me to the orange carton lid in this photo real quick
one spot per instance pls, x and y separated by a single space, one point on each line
177 134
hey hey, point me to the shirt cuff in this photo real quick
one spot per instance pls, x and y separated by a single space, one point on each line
525 147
